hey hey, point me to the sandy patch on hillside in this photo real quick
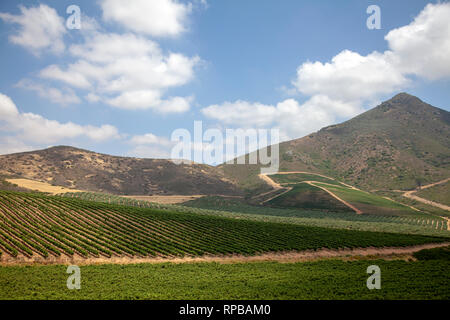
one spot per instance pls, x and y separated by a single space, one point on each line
284 257
40 186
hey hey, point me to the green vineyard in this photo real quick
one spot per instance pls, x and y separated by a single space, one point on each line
232 208
32 224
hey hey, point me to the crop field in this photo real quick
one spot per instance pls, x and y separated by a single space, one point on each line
306 196
327 279
32 224
232 208
369 203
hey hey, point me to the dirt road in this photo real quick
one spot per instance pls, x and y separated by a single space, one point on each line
336 197
410 195
278 186
284 257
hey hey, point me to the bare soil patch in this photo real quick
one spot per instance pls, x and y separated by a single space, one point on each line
40 186
283 257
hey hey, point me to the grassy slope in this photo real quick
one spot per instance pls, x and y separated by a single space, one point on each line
305 196
370 203
313 280
431 210
299 177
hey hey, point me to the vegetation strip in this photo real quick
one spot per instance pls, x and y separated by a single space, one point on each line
93 228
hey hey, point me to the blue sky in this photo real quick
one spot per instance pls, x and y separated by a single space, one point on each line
137 70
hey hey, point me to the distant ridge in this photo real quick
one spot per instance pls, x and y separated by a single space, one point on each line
86 170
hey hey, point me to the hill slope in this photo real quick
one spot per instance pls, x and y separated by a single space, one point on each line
86 170
399 144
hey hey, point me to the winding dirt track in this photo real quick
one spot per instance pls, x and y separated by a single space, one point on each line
336 197
284 257
410 195
276 186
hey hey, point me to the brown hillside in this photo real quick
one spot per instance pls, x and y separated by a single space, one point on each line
86 170
397 145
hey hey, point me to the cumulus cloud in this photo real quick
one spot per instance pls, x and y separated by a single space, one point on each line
153 152
149 139
423 47
126 71
293 119
40 28
150 145
242 113
33 128
63 96
159 18
77 80
12 145
339 89
350 77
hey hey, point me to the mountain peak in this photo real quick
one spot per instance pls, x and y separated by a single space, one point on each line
404 97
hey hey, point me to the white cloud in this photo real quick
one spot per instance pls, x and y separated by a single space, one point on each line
293 119
339 89
63 96
152 17
30 127
150 138
40 28
153 152
150 146
423 46
8 109
75 79
242 113
12 145
127 71
350 77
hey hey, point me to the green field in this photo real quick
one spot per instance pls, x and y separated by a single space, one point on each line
45 225
370 203
236 208
442 253
328 279
306 196
293 178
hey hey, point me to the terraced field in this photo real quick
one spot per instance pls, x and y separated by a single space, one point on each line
45 226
